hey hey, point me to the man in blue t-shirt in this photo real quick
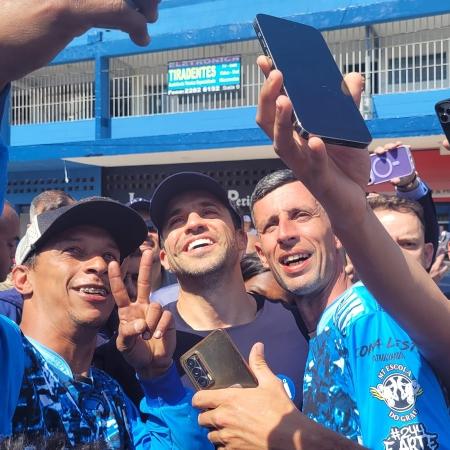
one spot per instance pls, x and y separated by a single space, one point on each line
368 380
67 270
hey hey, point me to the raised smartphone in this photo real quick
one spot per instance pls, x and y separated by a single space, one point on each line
395 163
442 109
313 82
215 363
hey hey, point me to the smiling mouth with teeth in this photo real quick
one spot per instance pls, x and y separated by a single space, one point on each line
95 291
293 260
198 243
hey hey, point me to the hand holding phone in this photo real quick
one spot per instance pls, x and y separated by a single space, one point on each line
215 363
323 105
395 163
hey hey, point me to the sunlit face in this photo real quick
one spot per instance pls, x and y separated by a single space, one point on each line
70 277
296 239
405 229
199 236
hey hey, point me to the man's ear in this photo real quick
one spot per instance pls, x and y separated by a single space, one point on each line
164 260
261 255
22 280
428 254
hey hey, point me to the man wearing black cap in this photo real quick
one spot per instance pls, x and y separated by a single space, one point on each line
69 275
202 242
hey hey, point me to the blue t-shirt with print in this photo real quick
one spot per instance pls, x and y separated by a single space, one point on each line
366 380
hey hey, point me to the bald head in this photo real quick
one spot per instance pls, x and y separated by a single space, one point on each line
9 235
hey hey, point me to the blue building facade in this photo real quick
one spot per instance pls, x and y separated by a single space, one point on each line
101 118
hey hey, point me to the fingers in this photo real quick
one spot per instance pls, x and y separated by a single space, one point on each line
381 150
157 320
446 144
265 64
144 276
149 9
355 83
283 129
270 91
117 285
259 365
135 24
215 438
125 16
156 323
212 399
128 333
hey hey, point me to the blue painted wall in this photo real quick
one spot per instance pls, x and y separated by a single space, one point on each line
200 22
406 104
53 133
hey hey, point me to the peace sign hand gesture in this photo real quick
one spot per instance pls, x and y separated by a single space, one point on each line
146 336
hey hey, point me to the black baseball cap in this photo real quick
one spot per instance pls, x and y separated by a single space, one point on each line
183 182
123 223
139 204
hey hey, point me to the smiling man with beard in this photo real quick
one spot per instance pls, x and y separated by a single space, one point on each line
202 242
69 275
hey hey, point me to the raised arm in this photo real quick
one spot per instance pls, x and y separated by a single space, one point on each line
146 339
33 32
337 176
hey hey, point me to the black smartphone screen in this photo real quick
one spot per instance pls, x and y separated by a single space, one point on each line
322 103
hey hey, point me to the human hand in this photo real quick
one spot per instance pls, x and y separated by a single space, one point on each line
400 182
251 418
446 144
33 32
146 335
438 268
337 175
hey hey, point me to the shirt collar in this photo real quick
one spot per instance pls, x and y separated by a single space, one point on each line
53 359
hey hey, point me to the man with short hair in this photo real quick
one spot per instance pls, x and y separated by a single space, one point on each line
365 378
403 219
67 269
202 243
48 200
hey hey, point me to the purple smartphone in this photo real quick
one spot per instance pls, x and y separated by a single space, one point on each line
395 163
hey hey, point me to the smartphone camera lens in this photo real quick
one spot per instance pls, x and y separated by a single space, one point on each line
444 118
197 372
203 382
191 362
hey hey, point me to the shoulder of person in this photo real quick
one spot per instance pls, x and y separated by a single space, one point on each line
354 304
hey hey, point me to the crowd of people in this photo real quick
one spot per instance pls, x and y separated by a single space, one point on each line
334 302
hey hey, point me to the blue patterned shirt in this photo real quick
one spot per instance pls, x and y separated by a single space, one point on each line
366 380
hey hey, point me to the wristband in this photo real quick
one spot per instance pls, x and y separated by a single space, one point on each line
413 184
